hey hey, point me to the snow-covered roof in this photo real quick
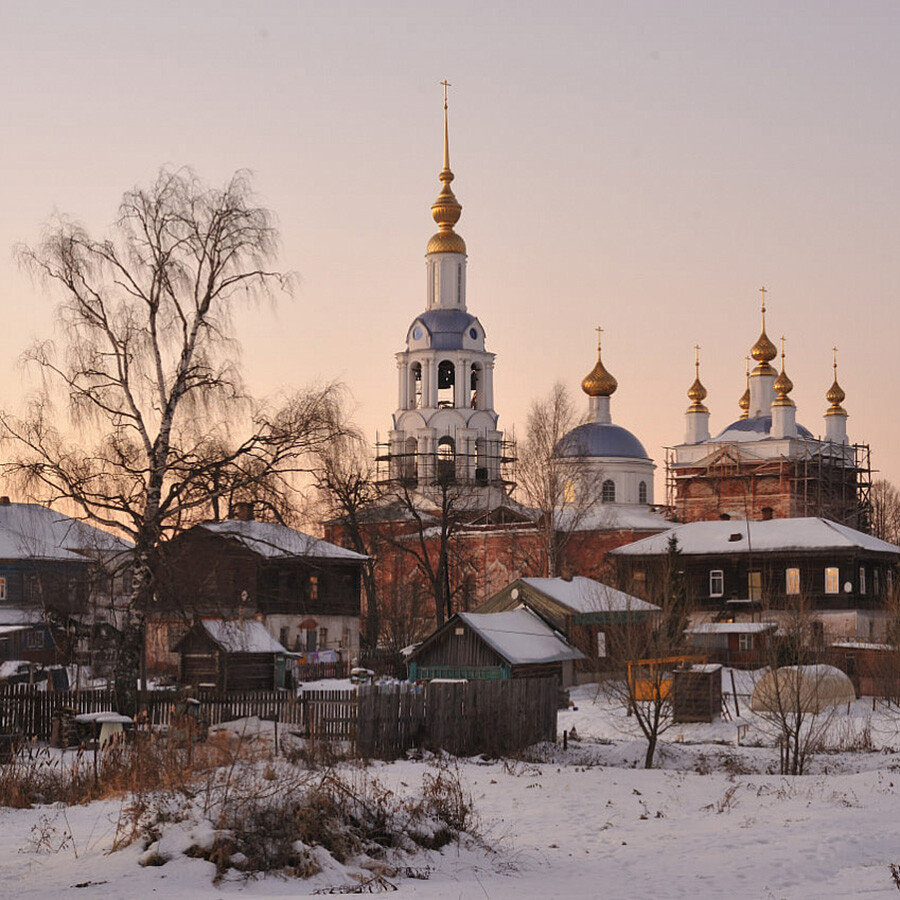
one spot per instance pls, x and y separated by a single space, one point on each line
15 615
732 628
242 636
585 595
521 637
32 531
771 535
278 541
612 517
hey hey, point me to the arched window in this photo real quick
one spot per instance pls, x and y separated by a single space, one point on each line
642 492
446 380
474 385
415 386
608 492
446 459
481 470
410 468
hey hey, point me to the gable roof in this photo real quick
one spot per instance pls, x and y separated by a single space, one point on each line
585 595
765 536
33 531
275 541
241 636
520 636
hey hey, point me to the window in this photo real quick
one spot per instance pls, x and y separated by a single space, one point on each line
862 581
446 459
416 385
323 638
313 587
642 492
569 491
716 583
832 580
601 644
2 588
446 380
792 581
608 491
284 634
34 639
876 581
745 642
754 585
474 379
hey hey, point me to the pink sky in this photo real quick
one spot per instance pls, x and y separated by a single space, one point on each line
643 168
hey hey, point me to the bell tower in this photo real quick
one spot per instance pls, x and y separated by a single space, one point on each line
445 425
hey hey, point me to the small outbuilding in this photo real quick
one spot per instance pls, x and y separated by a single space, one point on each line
231 654
740 645
504 645
808 689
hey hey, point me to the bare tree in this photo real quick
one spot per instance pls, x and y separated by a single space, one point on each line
147 372
885 500
562 491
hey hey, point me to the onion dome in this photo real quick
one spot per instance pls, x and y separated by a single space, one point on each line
783 385
696 392
744 402
763 351
446 210
598 382
835 394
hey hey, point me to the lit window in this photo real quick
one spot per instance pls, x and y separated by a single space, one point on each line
2 588
642 492
313 587
569 491
608 492
716 583
832 580
862 580
754 585
792 581
745 642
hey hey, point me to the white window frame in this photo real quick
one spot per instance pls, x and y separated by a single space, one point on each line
745 642
862 581
717 576
792 581
832 580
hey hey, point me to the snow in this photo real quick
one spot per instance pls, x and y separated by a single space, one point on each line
520 636
712 821
277 541
732 628
585 595
242 636
771 535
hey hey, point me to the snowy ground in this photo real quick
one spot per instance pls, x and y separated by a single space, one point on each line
712 821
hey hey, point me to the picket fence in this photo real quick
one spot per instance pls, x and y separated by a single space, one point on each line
380 721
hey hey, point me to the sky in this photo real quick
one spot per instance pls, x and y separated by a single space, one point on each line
644 167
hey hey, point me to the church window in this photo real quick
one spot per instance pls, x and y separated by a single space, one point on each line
792 581
474 383
415 372
481 470
446 380
608 491
832 580
409 469
569 491
642 492
459 285
436 285
446 459
716 582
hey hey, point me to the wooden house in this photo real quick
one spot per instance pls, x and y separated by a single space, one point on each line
741 645
305 591
874 669
503 645
231 655
591 615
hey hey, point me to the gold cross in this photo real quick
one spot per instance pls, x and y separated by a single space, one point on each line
599 332
762 291
446 84
834 349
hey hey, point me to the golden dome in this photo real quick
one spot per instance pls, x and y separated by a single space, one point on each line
835 394
598 382
446 210
763 351
783 385
696 392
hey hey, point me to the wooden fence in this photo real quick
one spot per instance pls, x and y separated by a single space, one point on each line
382 721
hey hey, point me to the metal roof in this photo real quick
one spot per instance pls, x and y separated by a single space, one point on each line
600 439
447 327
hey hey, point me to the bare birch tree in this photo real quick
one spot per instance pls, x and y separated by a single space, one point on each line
159 422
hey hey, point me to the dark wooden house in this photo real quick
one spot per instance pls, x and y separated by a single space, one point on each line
738 569
305 591
591 615
231 654
503 645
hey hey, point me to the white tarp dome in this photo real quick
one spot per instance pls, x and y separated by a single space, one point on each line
808 689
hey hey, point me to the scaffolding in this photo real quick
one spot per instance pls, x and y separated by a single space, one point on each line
821 478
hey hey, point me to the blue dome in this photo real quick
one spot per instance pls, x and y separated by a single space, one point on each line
756 429
446 328
598 439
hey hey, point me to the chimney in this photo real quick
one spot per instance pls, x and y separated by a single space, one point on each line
242 511
4 501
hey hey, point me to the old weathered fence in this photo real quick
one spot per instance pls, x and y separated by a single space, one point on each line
382 721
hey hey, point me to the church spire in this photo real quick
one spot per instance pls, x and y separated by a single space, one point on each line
697 416
446 210
835 415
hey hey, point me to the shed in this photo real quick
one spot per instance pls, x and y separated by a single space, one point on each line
231 654
873 668
697 693
809 689
514 644
741 645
